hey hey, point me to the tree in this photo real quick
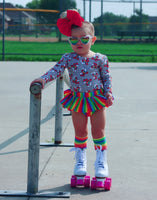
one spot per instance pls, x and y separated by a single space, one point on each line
34 4
51 5
111 23
136 20
55 5
49 18
18 6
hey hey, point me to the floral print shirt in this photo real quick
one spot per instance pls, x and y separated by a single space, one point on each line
86 74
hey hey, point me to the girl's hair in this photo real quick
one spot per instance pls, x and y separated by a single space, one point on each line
85 24
90 26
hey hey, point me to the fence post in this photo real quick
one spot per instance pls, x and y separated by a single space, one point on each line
3 32
59 111
34 143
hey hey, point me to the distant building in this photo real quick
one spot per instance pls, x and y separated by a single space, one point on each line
13 19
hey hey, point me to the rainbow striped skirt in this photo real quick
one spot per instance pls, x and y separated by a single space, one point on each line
84 102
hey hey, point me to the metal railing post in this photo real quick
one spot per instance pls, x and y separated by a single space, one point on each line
59 111
34 142
3 32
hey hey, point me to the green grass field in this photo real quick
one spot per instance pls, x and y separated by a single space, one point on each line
116 52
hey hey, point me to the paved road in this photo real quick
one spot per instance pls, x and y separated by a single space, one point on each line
131 134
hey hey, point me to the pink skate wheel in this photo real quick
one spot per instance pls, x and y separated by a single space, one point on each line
93 183
87 181
107 184
73 181
80 183
100 185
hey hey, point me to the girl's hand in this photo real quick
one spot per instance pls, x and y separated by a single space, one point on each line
109 100
42 82
39 80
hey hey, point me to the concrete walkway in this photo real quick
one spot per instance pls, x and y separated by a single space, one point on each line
131 132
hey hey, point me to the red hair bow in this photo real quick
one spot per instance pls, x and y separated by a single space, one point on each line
73 18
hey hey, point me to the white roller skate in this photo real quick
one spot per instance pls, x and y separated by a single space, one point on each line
101 180
79 179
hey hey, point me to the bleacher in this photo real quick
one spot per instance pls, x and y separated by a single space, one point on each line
148 35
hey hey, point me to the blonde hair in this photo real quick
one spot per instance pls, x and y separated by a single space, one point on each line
90 26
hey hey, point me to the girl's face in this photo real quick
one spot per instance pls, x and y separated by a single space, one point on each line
81 48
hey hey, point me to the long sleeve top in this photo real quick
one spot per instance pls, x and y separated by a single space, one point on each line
86 74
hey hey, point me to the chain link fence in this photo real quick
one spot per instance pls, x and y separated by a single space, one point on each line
29 23
26 24
40 26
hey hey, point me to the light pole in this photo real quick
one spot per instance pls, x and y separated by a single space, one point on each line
84 9
3 34
90 10
60 9
140 19
101 36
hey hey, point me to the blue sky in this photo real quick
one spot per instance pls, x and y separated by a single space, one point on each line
125 9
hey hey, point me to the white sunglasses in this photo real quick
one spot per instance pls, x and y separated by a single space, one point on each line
84 39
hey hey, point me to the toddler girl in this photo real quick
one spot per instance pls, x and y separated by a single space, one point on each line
90 90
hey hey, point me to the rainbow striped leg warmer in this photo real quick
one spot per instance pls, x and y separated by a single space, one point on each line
100 142
81 142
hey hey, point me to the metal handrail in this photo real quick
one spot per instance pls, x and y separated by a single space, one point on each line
34 129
